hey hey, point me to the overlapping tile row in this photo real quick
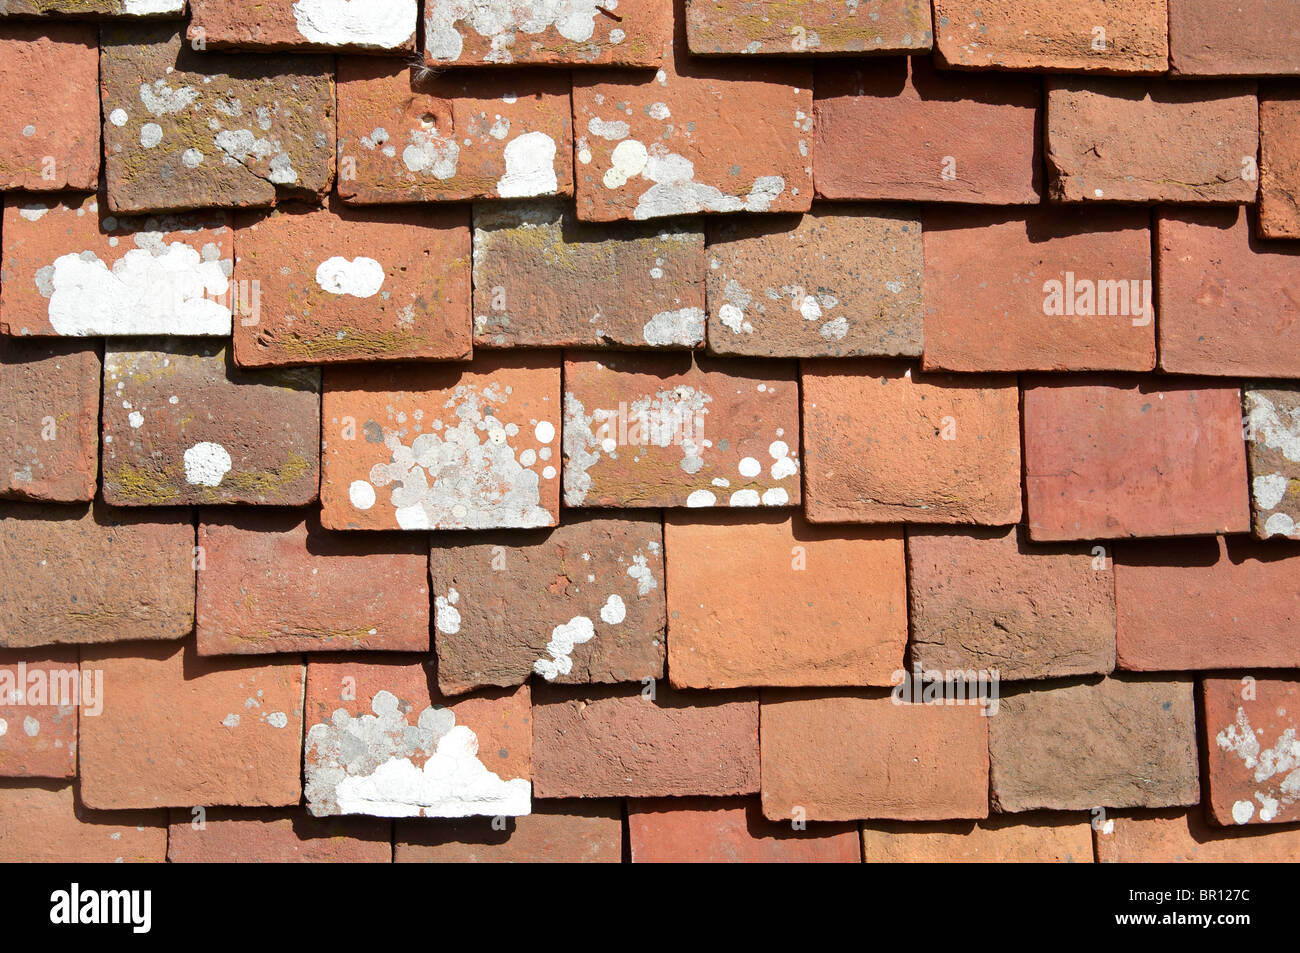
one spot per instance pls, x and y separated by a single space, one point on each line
623 430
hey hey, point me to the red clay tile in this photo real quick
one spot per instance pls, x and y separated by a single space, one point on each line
990 599
1116 742
836 757
49 420
274 581
73 269
408 136
188 129
557 832
1279 165
542 279
679 430
497 32
1233 38
380 27
1226 304
49 74
240 836
40 693
1000 839
819 605
1052 289
45 823
644 741
776 28
1131 140
1113 457
731 831
885 445
342 284
583 602
94 573
382 741
178 730
1040 35
1206 603
701 136
183 425
1253 758
1183 836
1273 452
951 138
843 280
398 443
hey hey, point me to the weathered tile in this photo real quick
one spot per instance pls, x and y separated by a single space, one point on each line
381 741
582 33
49 420
420 447
273 581
40 694
178 730
885 445
191 129
679 430
839 281
1117 742
714 830
818 605
326 285
1144 140
73 269
838 757
94 573
49 74
1108 458
583 602
375 26
1252 756
1273 452
702 136
991 599
423 136
634 741
183 424
544 279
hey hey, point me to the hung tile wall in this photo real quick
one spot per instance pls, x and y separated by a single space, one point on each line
625 430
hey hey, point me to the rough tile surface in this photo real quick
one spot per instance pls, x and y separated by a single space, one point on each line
839 282
583 602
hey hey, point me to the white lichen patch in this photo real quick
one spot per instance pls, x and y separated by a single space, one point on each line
156 289
676 192
360 277
614 611
1276 429
445 614
376 24
499 21
530 167
383 765
681 328
667 418
144 8
430 154
564 637
206 464
464 473
1276 768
